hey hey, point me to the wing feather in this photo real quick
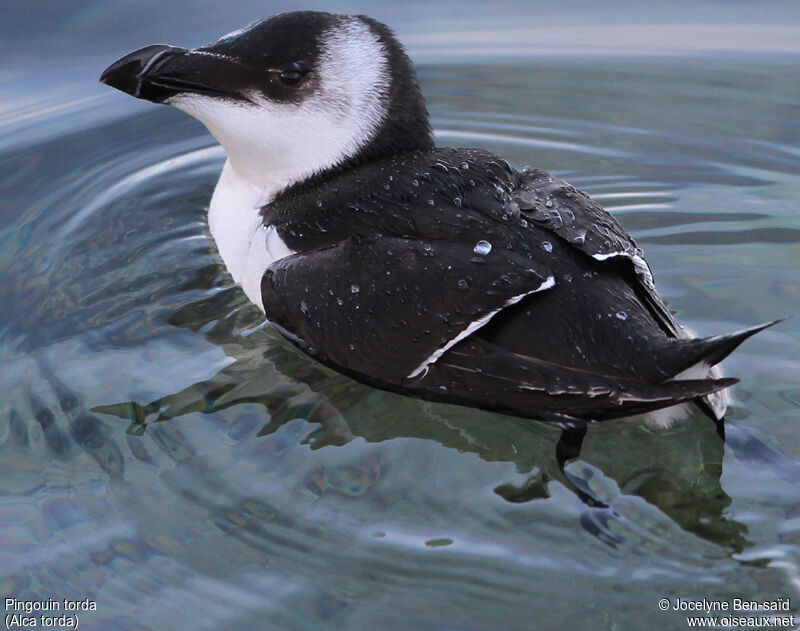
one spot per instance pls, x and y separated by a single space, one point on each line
388 307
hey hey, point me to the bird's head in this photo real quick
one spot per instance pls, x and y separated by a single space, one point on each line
291 96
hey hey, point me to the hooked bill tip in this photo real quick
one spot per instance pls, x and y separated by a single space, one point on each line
124 73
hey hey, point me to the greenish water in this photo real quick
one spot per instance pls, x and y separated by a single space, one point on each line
277 494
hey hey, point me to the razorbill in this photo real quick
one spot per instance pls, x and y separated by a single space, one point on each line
441 273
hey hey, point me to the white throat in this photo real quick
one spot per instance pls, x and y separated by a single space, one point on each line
274 144
246 246
271 145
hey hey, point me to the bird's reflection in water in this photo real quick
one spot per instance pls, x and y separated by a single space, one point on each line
677 471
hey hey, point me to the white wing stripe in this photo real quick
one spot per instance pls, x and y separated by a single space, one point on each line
474 326
639 264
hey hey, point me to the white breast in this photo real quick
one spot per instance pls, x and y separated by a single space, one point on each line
246 246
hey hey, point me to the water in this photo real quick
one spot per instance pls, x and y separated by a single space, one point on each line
277 494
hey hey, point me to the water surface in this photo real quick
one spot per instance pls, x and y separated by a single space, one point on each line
166 454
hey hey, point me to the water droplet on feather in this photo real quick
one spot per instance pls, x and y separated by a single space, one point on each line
482 247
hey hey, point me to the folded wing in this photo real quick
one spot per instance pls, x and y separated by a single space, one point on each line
390 307
559 207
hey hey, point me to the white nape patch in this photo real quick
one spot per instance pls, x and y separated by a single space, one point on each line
474 326
274 144
639 265
246 245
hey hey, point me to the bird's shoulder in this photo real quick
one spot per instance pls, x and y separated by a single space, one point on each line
460 195
442 193
561 208
448 193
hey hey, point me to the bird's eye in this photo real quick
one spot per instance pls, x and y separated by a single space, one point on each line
292 75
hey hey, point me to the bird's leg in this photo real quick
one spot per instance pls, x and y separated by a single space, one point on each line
568 448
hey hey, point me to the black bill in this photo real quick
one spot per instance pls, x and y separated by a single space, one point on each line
156 73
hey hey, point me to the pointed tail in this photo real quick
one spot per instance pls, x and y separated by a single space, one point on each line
687 353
